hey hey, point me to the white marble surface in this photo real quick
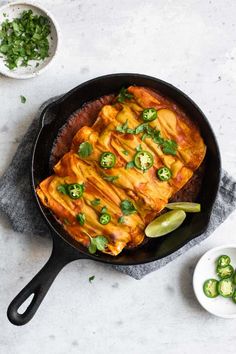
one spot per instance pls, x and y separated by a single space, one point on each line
191 44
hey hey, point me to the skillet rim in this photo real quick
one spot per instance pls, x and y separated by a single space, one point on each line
84 253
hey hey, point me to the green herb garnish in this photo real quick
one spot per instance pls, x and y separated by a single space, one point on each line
130 131
127 207
81 218
121 220
109 178
130 164
22 99
24 38
103 210
169 147
95 202
145 135
62 189
123 95
125 152
138 148
98 242
91 278
85 149
122 128
141 128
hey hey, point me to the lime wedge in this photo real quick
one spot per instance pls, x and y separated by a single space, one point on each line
165 223
186 206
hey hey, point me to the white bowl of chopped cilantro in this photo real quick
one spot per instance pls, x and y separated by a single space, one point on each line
29 38
214 281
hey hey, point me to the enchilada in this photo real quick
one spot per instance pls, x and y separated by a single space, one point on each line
117 196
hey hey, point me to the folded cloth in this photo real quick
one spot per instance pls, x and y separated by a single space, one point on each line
17 202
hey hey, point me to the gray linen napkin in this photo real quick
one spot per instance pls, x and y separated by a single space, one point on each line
16 201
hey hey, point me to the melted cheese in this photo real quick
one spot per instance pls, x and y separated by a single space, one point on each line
147 193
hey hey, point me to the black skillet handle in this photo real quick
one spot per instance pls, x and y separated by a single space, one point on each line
61 255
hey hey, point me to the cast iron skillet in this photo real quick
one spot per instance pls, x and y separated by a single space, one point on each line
65 249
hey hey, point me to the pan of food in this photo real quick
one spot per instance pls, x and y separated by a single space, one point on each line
125 171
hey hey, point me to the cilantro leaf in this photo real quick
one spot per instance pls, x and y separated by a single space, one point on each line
130 131
81 218
91 278
123 95
104 210
4 48
109 178
125 152
122 128
22 99
169 147
138 148
145 135
95 202
125 129
130 164
141 128
156 136
92 247
24 38
99 242
15 26
121 220
85 149
62 189
127 207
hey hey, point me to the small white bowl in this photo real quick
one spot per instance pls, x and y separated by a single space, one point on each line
13 10
205 269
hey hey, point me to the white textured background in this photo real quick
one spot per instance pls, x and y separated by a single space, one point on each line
191 44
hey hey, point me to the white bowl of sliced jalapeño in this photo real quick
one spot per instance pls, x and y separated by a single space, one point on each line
214 281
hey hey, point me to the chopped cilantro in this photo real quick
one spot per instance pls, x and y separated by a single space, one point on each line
145 135
141 128
127 207
169 147
129 165
125 152
62 188
122 128
85 149
91 278
99 242
22 99
121 220
104 210
138 148
109 178
123 95
24 38
95 202
81 218
130 131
